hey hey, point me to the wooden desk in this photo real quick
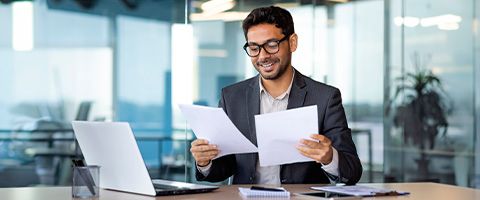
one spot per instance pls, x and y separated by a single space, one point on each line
420 191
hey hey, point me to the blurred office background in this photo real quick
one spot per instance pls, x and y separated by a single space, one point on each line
408 71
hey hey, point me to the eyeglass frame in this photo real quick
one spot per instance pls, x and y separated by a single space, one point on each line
262 46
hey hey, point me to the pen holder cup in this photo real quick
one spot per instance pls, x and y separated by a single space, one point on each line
86 181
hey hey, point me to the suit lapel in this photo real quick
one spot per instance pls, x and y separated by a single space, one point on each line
252 102
298 92
253 107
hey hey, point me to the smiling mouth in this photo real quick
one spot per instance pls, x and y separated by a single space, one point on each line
267 66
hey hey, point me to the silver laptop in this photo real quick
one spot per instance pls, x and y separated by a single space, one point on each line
113 147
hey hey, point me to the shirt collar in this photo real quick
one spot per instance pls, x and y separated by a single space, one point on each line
286 93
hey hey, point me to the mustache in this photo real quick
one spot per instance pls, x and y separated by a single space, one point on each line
268 60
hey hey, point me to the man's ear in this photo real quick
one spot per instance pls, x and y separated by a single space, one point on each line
293 42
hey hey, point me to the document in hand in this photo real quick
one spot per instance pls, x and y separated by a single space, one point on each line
214 125
279 133
360 190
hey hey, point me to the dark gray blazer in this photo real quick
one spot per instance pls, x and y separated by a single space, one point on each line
241 102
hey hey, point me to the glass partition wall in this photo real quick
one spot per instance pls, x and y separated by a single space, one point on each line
476 50
51 72
430 77
136 62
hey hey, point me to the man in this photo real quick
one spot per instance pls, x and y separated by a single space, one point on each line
271 40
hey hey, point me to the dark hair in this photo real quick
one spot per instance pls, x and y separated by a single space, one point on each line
280 17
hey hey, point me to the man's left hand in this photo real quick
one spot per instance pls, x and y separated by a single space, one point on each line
319 150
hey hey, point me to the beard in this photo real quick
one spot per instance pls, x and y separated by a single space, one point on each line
277 72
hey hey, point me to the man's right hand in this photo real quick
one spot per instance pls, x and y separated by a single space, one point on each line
202 152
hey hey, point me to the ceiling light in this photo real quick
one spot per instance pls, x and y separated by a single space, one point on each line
449 26
22 26
411 21
224 16
398 21
437 20
217 6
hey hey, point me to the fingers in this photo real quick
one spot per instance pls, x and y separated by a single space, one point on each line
199 142
307 152
321 139
201 145
323 156
205 157
312 153
320 142
311 144
203 152
319 150
315 154
205 147
317 137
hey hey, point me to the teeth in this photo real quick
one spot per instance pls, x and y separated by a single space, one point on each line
267 65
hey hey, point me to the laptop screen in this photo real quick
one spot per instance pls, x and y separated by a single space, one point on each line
113 147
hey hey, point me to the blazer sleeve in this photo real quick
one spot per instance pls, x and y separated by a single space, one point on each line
222 167
336 128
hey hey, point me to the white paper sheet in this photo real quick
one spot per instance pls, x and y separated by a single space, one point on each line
214 125
279 133
359 190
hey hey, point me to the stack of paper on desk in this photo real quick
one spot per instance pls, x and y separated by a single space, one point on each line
277 133
360 190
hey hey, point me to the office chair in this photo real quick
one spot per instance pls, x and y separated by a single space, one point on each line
53 162
83 111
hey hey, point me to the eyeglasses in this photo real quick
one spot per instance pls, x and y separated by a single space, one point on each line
271 47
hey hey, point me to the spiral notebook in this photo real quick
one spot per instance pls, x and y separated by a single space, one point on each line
249 193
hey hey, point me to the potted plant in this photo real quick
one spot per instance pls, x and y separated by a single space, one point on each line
422 113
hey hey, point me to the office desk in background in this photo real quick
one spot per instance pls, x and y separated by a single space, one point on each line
31 144
418 191
10 135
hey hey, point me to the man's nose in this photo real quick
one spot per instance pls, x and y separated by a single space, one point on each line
263 54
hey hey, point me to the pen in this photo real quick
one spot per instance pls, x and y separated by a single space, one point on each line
85 175
267 189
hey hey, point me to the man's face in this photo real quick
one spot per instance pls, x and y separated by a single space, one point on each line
271 66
